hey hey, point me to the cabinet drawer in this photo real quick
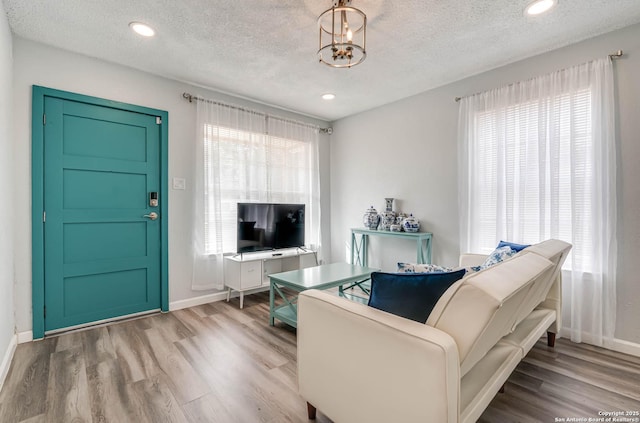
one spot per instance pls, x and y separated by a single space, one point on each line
270 267
250 274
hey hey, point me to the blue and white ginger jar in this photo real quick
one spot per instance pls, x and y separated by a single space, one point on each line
371 219
411 224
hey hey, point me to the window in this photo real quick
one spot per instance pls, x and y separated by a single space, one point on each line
244 166
538 161
533 185
243 155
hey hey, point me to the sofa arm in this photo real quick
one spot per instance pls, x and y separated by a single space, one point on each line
357 363
468 259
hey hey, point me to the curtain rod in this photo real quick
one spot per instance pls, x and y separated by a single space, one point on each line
618 54
193 98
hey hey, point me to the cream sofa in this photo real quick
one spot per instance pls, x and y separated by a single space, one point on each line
360 364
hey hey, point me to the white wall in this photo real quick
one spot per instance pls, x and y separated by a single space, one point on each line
7 319
37 64
407 150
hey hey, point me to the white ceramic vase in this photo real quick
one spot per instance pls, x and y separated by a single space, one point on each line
387 217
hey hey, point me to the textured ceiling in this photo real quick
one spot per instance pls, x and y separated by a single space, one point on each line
265 50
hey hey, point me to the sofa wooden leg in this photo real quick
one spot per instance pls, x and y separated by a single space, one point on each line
311 411
551 339
501 390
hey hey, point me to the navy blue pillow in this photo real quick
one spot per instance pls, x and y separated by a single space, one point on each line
410 295
513 245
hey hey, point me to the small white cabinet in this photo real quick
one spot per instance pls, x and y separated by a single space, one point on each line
251 271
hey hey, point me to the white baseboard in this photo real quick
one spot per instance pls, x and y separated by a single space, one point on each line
6 360
210 298
619 345
196 301
25 337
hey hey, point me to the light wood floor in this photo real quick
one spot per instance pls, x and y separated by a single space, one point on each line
216 363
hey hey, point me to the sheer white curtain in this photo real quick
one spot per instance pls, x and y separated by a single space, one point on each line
537 160
247 156
294 171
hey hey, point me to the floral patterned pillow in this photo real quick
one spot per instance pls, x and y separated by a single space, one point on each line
422 268
498 255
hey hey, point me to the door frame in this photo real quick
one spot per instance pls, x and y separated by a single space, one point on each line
37 194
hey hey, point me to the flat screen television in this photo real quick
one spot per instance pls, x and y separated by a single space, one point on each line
270 226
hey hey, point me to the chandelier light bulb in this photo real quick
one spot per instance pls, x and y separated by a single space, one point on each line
342 35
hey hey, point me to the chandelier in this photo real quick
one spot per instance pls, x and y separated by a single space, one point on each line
343 35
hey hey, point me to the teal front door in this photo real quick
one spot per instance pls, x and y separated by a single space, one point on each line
102 234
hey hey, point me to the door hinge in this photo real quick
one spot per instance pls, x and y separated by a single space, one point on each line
44 119
158 120
45 311
44 216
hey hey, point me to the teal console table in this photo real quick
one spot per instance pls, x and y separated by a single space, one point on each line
360 244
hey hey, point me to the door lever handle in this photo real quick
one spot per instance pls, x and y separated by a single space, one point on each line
152 215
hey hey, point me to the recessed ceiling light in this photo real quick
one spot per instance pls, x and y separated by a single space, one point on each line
328 96
142 29
538 7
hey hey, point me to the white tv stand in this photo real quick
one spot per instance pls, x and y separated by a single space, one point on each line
250 271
